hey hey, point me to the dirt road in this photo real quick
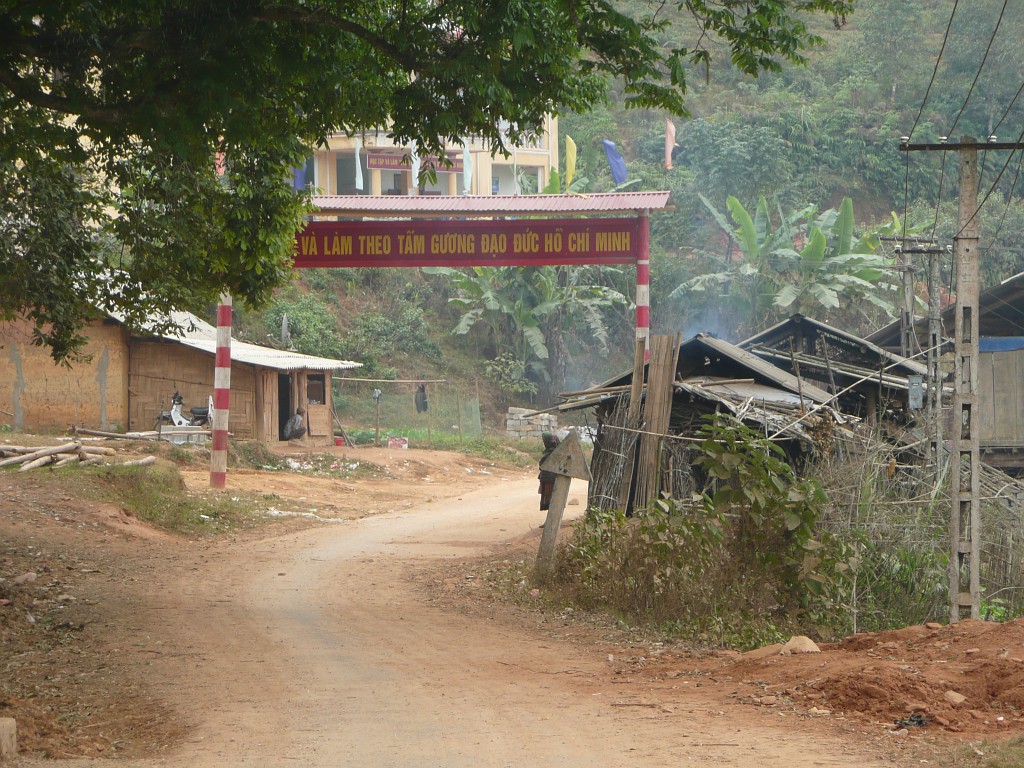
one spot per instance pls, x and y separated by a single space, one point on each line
321 647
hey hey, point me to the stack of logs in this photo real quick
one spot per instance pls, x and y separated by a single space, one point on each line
62 455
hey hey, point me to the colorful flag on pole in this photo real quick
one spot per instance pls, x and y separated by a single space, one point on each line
570 161
615 162
359 166
670 142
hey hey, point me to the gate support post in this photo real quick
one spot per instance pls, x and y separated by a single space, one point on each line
643 283
221 395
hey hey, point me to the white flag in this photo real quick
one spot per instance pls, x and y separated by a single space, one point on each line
359 166
467 170
414 186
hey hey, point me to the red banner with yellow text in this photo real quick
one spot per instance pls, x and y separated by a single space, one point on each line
467 243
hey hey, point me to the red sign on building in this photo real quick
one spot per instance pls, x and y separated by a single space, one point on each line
467 243
389 161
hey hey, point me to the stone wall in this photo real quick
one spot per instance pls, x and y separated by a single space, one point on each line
522 423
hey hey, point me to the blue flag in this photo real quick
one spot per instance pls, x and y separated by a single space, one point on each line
615 162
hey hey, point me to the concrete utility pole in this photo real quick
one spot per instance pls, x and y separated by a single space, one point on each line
965 449
933 407
566 462
934 353
965 458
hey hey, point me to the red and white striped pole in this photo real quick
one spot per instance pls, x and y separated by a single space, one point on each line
643 284
221 395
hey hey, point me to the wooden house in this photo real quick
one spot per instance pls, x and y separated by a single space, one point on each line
868 382
710 375
1000 368
129 379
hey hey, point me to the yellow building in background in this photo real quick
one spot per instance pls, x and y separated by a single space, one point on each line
384 168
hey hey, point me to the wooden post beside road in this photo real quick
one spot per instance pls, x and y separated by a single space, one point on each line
566 462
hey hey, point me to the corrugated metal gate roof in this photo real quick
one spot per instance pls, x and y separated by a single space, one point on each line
403 206
200 335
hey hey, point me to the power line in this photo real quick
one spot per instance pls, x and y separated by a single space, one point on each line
981 66
1006 208
938 196
935 70
1012 101
992 189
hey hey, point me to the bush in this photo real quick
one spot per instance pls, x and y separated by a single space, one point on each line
311 326
374 335
738 564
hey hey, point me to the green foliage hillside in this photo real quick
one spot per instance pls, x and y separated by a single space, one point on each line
818 134
796 146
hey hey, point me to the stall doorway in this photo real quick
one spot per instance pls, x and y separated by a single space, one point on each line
285 408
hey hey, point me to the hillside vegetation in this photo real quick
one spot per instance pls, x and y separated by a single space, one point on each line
794 150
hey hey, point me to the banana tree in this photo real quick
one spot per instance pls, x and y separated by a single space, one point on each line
809 263
532 311
832 266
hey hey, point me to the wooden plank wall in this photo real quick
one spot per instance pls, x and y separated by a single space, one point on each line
158 369
267 428
319 420
129 381
45 396
1001 398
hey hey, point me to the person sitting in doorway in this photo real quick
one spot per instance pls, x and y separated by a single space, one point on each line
295 427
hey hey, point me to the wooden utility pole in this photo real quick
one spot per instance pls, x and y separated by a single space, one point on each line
566 462
934 412
965 448
907 307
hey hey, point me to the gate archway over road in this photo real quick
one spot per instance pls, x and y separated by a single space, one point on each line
487 231
462 231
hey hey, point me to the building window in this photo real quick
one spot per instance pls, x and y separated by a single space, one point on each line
316 390
345 167
399 183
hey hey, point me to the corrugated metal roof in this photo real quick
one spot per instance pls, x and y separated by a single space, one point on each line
694 347
199 334
402 206
779 329
279 359
757 365
743 390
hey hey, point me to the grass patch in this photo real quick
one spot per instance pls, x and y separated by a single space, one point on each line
246 454
157 495
252 454
985 754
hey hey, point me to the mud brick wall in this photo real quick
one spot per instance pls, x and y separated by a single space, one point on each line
43 395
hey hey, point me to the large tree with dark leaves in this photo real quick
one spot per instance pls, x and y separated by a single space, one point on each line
112 112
